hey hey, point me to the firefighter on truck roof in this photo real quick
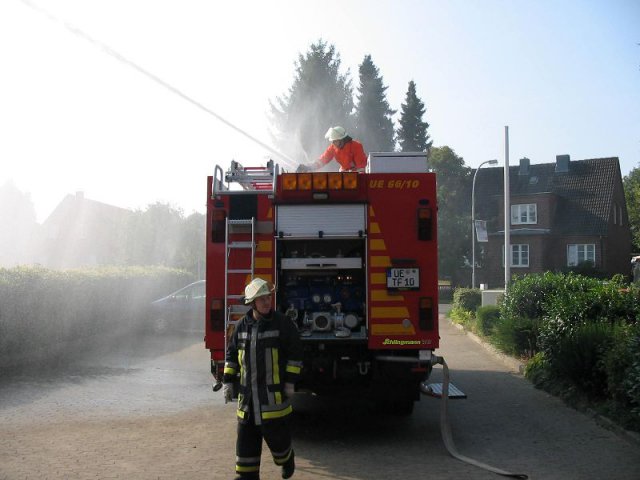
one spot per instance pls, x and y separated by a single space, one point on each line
265 356
348 152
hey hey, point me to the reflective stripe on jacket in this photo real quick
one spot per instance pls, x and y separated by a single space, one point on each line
350 157
265 355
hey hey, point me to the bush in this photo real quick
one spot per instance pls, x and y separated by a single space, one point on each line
516 335
486 318
43 312
536 369
618 361
468 299
578 357
632 381
528 296
461 316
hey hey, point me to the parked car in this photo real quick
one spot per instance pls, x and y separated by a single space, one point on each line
182 310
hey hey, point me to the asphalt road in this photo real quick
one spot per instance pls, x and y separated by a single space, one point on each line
142 408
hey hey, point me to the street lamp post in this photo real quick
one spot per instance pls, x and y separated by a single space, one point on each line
473 222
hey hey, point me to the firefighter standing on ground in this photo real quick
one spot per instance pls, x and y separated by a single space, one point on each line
265 355
348 152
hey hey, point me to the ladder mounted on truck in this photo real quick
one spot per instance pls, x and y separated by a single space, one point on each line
251 179
235 310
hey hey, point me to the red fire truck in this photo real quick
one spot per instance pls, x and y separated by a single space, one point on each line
353 257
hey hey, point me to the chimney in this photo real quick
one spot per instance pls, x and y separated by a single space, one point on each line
524 166
562 163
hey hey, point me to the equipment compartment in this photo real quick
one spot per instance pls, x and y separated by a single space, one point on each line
322 287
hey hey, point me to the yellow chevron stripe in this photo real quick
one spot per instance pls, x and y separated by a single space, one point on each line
377 244
391 329
265 246
380 261
374 227
263 262
383 296
389 312
378 279
371 212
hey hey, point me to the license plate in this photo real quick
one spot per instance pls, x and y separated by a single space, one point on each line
404 278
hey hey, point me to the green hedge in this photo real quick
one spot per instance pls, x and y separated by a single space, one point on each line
486 319
43 312
580 334
468 299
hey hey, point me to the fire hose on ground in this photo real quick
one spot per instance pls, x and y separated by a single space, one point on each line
445 426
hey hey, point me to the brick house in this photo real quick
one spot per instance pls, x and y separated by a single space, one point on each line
564 215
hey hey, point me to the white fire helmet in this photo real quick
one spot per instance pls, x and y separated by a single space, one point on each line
335 133
257 288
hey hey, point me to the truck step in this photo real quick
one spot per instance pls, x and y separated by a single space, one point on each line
241 221
240 270
435 390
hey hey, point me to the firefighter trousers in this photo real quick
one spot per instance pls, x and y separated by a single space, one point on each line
275 432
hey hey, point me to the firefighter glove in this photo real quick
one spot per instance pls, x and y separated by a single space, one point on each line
227 391
289 390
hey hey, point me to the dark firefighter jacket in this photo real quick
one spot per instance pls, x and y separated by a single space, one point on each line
263 355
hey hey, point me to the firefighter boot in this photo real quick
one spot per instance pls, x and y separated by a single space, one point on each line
289 467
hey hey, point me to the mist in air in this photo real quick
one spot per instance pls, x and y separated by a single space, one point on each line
84 280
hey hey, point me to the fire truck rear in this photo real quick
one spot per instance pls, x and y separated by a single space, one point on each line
353 257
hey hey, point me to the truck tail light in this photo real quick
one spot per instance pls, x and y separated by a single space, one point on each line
289 181
319 181
218 225
304 181
424 223
335 181
425 313
217 314
350 180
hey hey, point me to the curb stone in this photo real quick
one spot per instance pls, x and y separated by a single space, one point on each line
517 366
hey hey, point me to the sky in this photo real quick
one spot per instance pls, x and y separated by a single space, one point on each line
563 76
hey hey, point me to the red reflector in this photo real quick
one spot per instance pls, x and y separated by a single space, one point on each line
218 215
425 313
424 224
217 304
218 225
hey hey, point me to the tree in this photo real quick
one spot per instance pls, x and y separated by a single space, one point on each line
373 124
412 134
453 193
190 254
18 220
153 235
631 185
320 97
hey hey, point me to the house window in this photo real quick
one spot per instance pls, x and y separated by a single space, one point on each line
580 253
526 213
519 255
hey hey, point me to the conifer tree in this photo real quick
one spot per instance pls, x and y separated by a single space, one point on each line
319 98
374 126
412 134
